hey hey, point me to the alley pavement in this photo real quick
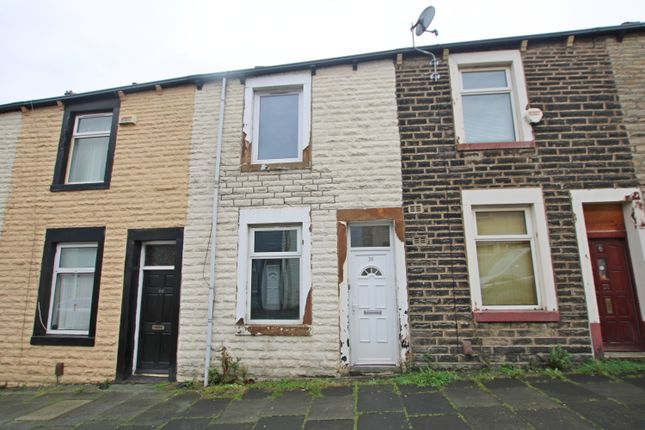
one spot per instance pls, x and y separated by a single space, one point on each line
581 402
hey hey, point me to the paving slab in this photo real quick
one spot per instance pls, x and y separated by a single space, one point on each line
91 410
53 410
551 419
589 379
280 423
494 384
383 421
524 397
230 426
565 391
467 395
290 403
436 422
493 417
372 398
162 412
639 381
609 415
621 391
338 391
207 407
256 394
126 410
137 427
426 403
330 425
332 408
411 389
243 411
98 425
11 410
186 424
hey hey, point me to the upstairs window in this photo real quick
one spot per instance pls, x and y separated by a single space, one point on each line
489 99
89 148
86 146
277 117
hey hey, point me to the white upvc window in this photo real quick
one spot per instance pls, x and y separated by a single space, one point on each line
274 269
70 304
277 117
89 149
509 259
489 97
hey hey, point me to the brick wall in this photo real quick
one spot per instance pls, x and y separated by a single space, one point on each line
354 126
9 131
628 64
149 189
580 144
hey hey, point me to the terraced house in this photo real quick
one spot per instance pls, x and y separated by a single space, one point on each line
524 216
339 215
109 219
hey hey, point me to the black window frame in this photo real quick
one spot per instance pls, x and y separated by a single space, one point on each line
53 237
67 131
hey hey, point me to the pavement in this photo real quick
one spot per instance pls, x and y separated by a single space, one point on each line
581 402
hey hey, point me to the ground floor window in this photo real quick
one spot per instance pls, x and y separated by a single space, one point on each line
69 285
509 260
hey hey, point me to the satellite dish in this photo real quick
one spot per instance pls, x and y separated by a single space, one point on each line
424 20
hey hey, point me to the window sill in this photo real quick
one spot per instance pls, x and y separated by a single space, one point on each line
61 340
516 316
276 330
275 167
79 187
495 145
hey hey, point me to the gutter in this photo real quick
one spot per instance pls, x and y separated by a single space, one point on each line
211 284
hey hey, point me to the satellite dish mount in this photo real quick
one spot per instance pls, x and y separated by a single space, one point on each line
420 27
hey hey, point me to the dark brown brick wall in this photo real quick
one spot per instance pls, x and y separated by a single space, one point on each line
580 144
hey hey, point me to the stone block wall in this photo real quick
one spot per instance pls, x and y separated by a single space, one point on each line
580 144
355 164
149 189
628 64
9 132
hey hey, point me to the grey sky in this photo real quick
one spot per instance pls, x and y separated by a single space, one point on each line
50 46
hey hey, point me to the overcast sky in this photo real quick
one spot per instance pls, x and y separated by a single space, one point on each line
50 46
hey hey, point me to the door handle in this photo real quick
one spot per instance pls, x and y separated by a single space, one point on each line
372 312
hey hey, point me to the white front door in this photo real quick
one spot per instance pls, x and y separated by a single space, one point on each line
372 297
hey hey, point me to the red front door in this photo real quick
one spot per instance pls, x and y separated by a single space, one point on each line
619 315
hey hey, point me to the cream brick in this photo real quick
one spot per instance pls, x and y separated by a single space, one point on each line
149 189
9 132
355 164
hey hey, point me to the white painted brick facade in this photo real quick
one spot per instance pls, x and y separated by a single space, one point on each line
9 133
355 164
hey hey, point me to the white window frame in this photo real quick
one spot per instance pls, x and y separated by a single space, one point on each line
272 255
58 270
511 62
531 201
78 135
272 219
288 83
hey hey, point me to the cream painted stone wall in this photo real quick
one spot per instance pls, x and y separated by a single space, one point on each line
355 164
9 131
628 64
149 189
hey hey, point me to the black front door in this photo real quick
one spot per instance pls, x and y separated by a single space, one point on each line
157 329
150 304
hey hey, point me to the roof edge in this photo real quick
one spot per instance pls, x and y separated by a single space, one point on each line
200 79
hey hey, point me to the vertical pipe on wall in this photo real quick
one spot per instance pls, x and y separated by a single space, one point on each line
213 248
